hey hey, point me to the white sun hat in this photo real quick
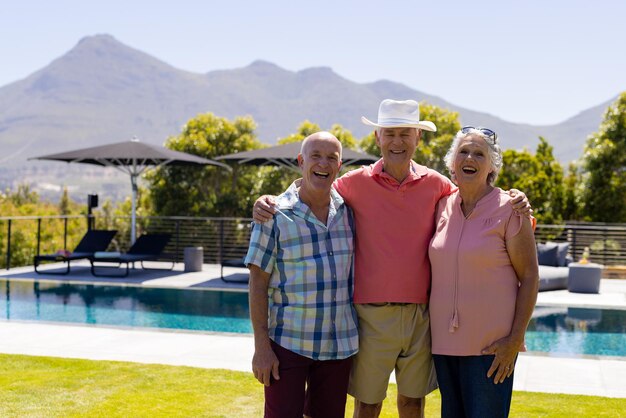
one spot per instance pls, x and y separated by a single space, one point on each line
400 114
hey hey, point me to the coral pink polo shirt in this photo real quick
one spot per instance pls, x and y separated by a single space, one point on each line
394 224
474 285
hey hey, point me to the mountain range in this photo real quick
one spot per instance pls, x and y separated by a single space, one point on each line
103 91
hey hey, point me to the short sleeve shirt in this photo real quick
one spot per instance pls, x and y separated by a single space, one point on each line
394 223
472 275
310 266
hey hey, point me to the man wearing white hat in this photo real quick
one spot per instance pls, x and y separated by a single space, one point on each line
394 204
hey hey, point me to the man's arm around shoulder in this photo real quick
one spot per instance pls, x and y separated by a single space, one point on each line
264 361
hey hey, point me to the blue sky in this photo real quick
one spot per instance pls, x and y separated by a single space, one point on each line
534 61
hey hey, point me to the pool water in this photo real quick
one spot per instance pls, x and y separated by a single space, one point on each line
125 306
575 331
557 331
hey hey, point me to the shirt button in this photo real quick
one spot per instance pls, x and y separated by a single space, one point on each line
330 253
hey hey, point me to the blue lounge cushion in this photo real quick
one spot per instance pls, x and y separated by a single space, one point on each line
107 254
561 253
547 254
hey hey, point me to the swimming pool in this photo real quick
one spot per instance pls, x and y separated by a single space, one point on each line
557 331
575 331
125 306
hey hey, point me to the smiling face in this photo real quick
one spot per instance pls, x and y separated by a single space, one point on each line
320 161
397 146
472 162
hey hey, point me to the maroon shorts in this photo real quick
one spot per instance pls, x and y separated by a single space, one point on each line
318 388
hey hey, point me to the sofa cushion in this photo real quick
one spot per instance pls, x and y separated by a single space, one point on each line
561 253
547 254
553 278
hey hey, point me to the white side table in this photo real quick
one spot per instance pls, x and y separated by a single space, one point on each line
584 278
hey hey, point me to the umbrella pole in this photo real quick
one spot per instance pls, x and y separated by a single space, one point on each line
133 183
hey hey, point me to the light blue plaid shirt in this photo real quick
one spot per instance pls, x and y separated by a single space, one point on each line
310 288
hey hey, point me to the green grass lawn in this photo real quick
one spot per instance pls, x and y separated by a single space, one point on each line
54 387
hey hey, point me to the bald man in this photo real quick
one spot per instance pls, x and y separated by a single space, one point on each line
305 332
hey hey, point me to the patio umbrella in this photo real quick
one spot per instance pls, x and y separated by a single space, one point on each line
286 156
131 157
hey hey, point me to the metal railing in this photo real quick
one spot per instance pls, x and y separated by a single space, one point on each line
19 235
606 242
221 238
22 237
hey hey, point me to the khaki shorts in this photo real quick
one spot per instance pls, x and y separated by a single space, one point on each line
392 337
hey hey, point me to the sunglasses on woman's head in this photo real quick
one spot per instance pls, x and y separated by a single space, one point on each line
491 135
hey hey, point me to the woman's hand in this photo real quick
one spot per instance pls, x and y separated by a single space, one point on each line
505 353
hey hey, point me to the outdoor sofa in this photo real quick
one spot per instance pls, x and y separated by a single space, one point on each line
553 265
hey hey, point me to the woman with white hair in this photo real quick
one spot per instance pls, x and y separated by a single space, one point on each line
484 282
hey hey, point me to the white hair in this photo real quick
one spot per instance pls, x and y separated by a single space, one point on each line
495 154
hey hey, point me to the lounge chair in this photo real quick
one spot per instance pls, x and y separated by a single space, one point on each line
235 262
233 257
94 240
148 247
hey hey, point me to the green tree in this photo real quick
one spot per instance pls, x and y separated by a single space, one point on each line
604 164
433 145
24 202
64 203
344 136
540 177
572 184
208 191
368 144
105 215
305 129
23 196
519 170
553 193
